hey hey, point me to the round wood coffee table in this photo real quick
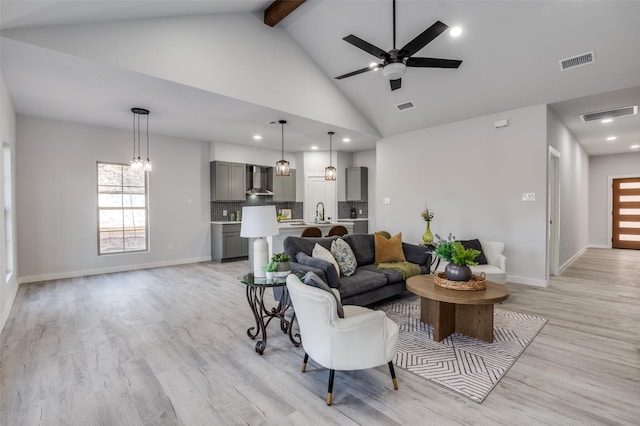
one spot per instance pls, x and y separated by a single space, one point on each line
466 312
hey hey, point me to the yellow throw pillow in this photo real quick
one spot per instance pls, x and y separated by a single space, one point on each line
389 250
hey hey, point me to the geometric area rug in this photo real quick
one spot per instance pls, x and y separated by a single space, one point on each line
463 364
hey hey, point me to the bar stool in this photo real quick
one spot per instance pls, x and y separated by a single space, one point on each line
311 231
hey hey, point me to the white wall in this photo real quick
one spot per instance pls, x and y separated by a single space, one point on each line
8 287
602 169
56 199
574 191
472 176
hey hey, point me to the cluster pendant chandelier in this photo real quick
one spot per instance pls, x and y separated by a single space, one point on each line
282 166
136 161
330 172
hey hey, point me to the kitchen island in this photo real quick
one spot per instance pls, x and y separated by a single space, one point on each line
287 228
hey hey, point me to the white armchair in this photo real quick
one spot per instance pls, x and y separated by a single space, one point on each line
496 268
363 339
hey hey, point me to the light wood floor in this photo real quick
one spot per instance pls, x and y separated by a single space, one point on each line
169 346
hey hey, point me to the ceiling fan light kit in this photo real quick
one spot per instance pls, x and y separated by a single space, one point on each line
395 61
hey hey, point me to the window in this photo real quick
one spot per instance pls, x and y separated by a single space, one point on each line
8 227
122 209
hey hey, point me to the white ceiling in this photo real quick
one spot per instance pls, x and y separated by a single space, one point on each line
510 51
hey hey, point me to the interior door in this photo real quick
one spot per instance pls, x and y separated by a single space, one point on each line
625 230
319 190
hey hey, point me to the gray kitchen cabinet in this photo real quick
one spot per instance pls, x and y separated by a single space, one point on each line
357 181
228 181
226 242
284 187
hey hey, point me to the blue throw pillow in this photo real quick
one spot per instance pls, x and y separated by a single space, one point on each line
314 280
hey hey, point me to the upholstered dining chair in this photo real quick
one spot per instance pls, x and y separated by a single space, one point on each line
338 230
363 339
311 231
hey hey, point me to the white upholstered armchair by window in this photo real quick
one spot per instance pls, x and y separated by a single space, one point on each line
363 339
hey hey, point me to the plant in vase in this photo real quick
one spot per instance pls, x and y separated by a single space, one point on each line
427 237
284 265
459 259
269 269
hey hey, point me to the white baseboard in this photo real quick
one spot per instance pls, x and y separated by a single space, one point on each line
573 258
108 270
600 246
527 280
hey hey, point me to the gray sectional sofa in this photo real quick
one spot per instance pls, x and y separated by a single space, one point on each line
368 284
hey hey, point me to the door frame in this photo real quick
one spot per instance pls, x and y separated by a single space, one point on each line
610 205
553 212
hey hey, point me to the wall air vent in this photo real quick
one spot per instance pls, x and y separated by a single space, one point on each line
577 61
610 113
405 106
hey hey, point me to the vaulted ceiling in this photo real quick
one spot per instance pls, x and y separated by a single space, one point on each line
213 71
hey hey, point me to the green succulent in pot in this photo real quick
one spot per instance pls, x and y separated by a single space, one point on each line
283 261
459 259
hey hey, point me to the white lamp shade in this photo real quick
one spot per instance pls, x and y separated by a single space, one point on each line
259 221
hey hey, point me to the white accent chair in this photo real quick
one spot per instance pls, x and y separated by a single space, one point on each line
363 339
496 268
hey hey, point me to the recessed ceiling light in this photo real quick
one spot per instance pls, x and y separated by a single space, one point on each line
635 146
455 31
612 138
346 140
314 147
257 137
606 120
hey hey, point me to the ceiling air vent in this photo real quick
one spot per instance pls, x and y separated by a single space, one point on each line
578 61
610 113
405 106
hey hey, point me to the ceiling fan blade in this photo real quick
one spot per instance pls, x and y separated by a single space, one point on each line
360 71
367 47
423 39
433 62
395 84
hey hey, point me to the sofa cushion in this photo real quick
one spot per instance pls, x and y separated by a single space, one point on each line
344 256
389 250
392 275
294 245
475 245
314 280
363 247
361 282
324 254
329 270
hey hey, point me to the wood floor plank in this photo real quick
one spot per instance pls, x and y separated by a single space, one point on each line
170 346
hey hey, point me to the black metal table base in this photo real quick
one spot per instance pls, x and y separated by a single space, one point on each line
263 316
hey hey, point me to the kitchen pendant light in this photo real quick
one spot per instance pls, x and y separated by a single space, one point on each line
330 172
282 166
136 161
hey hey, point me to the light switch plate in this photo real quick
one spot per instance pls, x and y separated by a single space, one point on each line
528 196
386 200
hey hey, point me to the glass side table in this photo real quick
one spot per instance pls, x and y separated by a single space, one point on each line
256 287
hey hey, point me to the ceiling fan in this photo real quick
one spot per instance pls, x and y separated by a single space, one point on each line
395 62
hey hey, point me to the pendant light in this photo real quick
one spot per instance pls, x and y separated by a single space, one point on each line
136 161
330 172
282 166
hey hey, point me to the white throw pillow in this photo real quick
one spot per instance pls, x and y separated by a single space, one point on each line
324 254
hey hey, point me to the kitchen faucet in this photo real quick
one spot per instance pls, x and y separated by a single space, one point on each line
320 214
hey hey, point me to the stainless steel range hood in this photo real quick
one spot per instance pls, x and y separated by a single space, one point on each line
259 180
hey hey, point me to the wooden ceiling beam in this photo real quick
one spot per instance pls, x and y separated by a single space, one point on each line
280 9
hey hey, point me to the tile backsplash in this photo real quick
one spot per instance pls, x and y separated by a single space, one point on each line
344 209
218 207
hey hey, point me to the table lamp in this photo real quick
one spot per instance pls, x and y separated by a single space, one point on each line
259 222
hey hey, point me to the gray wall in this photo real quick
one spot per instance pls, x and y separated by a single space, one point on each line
574 191
602 169
472 176
56 203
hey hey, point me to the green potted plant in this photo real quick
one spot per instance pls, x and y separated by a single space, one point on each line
269 269
459 259
284 266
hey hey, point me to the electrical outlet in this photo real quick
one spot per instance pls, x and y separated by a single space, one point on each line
360 211
171 247
224 213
